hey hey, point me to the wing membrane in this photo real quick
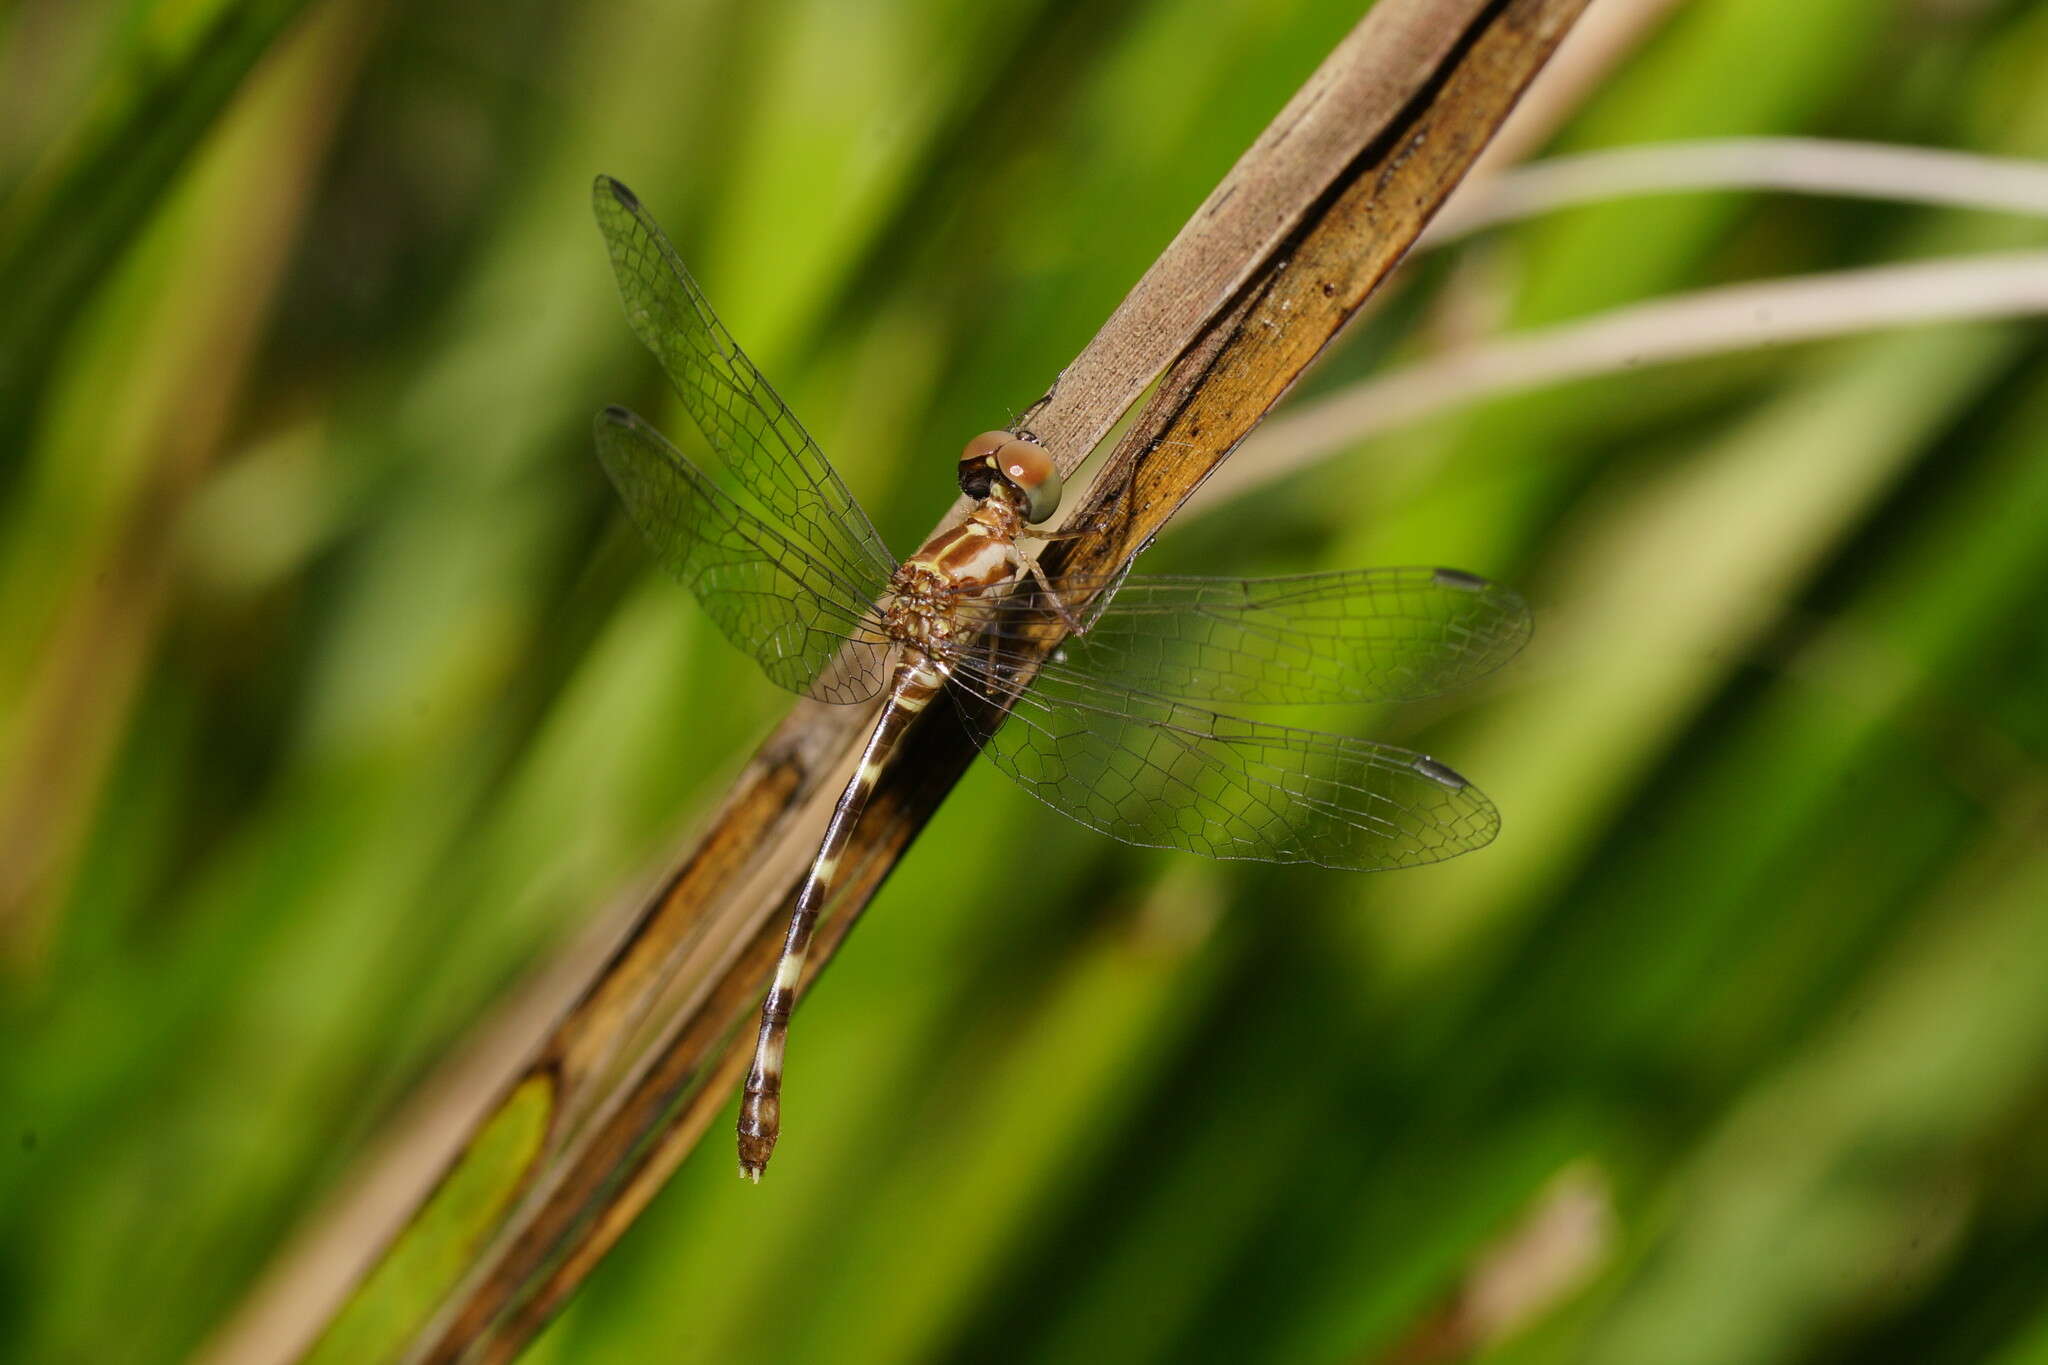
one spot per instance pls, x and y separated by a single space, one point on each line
760 441
768 596
1156 772
1364 635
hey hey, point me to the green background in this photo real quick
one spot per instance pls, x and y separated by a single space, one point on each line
337 703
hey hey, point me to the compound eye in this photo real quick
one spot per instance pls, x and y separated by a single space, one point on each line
1028 467
978 463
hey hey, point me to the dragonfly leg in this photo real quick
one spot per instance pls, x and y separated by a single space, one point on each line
1082 526
1059 606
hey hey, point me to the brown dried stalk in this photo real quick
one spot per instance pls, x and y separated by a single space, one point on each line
1268 270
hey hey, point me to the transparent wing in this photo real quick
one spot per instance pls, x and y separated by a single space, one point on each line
1364 635
770 597
760 441
1158 773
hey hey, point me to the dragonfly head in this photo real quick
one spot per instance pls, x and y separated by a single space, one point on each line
998 458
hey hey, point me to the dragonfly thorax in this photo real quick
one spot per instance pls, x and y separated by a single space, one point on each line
974 558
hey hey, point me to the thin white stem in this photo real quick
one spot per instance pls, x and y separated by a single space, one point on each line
1799 165
1728 318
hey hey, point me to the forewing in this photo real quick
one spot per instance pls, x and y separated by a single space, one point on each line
759 440
768 596
1363 635
1155 772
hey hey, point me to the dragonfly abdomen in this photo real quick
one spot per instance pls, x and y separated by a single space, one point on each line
915 683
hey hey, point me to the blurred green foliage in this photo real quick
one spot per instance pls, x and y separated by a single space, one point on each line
335 699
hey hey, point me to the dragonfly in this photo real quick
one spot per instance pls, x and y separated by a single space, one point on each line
1105 730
